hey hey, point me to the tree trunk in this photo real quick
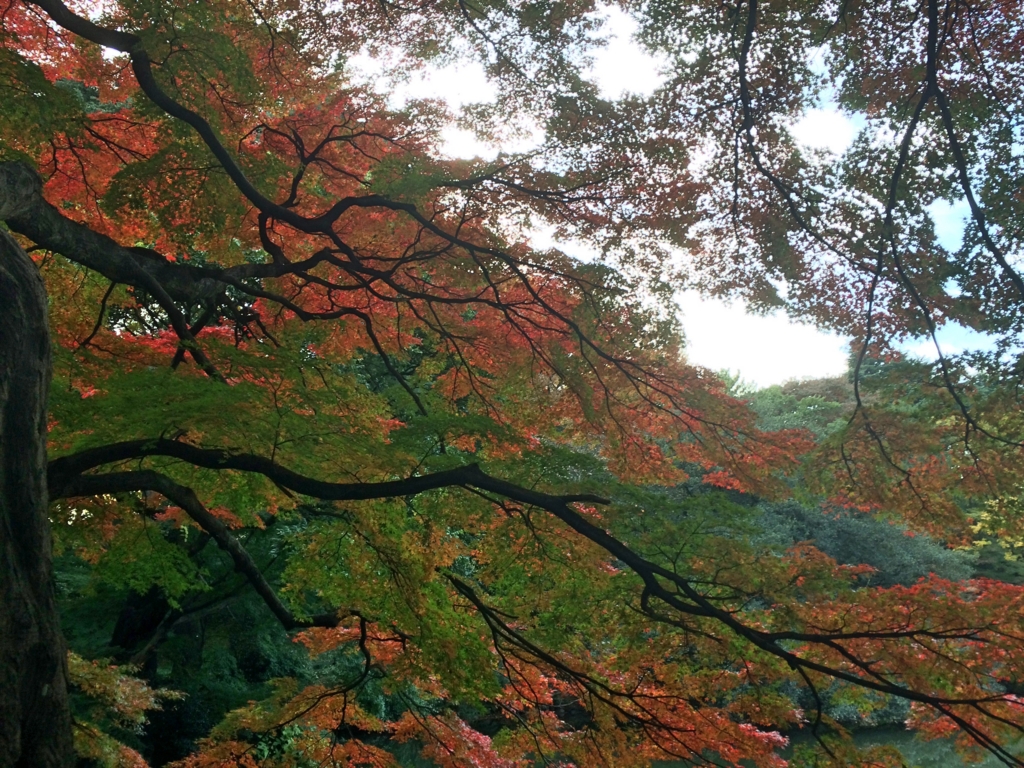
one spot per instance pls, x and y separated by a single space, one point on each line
35 722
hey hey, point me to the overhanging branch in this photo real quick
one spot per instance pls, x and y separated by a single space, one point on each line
184 497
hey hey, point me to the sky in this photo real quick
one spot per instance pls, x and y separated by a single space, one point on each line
720 335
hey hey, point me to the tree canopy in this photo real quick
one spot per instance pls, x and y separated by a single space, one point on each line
334 462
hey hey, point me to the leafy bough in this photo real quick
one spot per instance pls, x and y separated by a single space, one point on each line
662 588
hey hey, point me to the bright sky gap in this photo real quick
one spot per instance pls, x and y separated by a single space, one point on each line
720 335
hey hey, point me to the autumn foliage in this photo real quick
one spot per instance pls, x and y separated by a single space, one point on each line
502 518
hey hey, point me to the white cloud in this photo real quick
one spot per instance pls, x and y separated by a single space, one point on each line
622 66
543 239
457 84
826 129
950 220
764 350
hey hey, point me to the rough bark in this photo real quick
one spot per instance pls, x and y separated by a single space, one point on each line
28 213
35 722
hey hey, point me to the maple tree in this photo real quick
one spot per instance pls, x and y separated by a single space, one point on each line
488 475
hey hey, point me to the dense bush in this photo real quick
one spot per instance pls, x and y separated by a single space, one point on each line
899 555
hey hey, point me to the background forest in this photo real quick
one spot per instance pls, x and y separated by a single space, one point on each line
309 456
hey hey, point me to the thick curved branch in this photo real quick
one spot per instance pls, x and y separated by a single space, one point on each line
64 471
654 389
184 497
24 208
65 477
142 67
131 44
26 212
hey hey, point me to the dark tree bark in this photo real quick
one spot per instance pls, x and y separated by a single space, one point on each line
35 722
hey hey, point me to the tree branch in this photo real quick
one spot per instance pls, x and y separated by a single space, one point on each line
184 497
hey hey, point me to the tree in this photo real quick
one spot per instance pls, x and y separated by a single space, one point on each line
849 239
272 305
36 725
